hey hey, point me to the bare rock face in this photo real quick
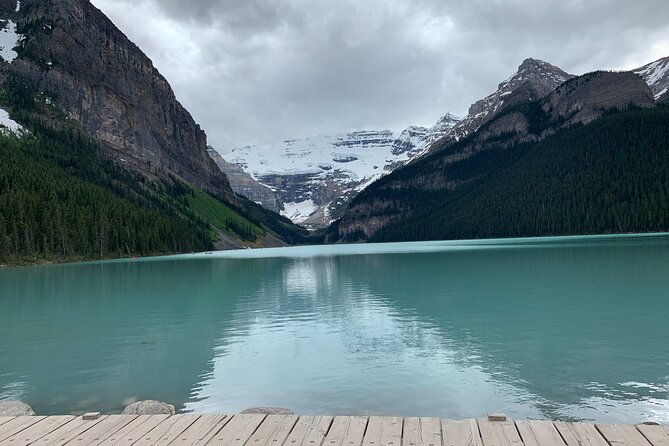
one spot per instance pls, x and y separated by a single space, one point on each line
244 184
148 407
74 54
15 408
267 411
587 97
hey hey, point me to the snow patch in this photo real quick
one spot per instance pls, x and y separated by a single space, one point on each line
18 6
8 41
7 124
299 212
657 96
654 71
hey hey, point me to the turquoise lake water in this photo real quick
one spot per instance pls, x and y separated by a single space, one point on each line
568 328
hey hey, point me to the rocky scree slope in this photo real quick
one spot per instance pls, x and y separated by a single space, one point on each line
83 63
575 102
244 184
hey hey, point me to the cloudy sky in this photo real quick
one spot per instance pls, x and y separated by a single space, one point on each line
261 71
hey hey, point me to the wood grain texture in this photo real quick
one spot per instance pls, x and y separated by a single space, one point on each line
622 435
309 431
346 431
656 435
422 431
461 433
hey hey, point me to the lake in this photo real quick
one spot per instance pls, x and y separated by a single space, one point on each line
563 328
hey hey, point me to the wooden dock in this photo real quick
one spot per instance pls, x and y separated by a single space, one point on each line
291 430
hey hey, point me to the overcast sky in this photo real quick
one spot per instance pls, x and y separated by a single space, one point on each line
261 71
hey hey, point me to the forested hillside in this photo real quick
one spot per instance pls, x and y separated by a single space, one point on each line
62 199
610 176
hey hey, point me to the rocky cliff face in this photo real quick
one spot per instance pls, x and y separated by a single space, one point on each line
74 54
587 97
243 184
577 101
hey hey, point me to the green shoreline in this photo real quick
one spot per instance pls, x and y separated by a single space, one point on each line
480 242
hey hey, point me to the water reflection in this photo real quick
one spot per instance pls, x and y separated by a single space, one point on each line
539 330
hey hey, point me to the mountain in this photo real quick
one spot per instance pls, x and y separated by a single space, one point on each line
109 163
71 51
243 184
533 80
314 178
656 75
430 197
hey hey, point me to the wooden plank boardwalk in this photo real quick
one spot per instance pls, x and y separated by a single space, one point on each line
291 430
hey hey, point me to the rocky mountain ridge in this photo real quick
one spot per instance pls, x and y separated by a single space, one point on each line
533 80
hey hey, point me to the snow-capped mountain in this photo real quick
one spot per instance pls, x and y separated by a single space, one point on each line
656 75
315 177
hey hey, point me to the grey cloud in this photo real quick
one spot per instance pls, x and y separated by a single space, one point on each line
258 71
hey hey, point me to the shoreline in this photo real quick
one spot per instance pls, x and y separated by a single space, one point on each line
336 248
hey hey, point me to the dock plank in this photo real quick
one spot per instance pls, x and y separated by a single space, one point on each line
100 431
202 430
539 433
167 430
346 431
657 435
69 431
383 431
38 430
114 433
16 425
622 435
291 430
309 431
273 431
128 437
580 434
422 431
499 433
237 430
461 433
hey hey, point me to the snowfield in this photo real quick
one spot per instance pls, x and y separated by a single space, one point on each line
325 171
7 124
9 38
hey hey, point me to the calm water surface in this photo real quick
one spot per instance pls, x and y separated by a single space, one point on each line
569 328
